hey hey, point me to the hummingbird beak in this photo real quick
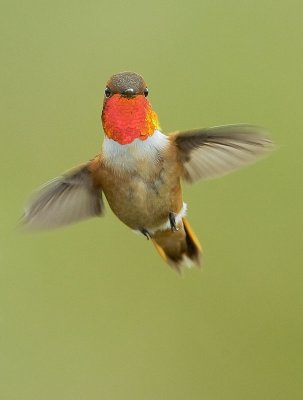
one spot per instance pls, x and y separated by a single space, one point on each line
128 93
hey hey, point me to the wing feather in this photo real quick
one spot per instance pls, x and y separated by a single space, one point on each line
213 152
69 198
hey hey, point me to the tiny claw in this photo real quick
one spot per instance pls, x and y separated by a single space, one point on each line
145 233
172 221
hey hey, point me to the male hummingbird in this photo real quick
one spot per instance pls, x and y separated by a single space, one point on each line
140 170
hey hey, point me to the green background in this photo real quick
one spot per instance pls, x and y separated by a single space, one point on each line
91 311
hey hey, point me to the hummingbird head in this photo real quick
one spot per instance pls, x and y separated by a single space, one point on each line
127 114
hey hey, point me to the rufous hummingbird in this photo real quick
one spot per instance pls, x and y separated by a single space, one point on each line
140 170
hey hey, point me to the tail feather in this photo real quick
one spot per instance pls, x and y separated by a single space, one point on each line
180 248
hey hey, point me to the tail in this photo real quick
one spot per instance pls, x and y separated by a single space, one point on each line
179 248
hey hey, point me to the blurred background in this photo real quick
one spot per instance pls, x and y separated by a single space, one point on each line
90 311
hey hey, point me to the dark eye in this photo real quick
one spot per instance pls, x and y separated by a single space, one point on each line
145 92
107 92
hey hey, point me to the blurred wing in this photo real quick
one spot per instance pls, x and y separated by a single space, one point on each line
64 200
213 152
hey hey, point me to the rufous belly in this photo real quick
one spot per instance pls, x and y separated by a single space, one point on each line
141 199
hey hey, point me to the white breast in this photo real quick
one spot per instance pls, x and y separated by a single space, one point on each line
126 156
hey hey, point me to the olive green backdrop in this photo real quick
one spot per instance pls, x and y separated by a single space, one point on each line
90 311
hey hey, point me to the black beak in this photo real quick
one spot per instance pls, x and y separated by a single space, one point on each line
128 92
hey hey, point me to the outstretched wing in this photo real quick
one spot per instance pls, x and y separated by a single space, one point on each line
69 198
213 152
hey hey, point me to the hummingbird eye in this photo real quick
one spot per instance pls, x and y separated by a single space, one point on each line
145 92
107 92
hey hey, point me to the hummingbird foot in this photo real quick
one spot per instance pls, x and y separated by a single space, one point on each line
172 221
145 233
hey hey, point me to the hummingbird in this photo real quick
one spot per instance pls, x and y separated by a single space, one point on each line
140 169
